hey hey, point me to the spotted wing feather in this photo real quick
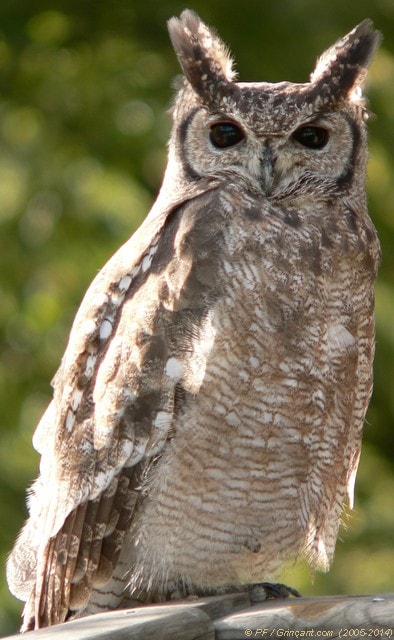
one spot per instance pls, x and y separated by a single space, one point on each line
110 415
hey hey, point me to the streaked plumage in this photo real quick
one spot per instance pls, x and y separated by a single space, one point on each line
207 415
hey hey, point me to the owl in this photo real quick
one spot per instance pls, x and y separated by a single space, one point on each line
206 420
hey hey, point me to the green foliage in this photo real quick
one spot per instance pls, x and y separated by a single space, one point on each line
84 88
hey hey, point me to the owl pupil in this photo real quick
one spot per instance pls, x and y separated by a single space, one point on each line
311 137
225 134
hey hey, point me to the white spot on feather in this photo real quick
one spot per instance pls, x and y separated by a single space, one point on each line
174 368
126 449
89 327
101 299
228 267
101 482
124 283
290 382
105 329
134 273
339 338
138 451
161 425
243 375
128 395
350 485
147 260
90 364
70 420
76 399
254 362
200 351
163 420
232 419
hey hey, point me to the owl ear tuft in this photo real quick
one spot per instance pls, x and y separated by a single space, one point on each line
342 69
203 56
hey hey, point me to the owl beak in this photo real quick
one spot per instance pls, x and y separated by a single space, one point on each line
267 169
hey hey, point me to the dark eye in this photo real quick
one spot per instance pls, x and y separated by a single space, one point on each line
311 137
225 134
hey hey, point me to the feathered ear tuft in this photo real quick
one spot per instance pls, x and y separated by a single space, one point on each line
342 69
204 58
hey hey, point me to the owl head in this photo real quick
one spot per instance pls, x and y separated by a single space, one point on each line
280 136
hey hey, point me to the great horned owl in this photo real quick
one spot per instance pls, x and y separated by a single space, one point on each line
207 414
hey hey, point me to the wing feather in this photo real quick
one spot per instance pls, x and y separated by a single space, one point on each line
112 411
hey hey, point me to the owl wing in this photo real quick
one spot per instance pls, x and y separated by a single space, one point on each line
111 414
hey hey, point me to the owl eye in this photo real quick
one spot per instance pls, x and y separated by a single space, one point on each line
311 137
225 134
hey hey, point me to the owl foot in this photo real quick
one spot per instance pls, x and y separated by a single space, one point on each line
270 591
181 595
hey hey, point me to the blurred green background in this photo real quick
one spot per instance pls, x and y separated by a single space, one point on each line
84 88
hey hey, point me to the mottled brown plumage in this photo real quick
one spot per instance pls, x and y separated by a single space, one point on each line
206 421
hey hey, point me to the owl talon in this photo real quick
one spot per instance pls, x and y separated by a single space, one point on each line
271 591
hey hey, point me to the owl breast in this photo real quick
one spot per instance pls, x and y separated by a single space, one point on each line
258 464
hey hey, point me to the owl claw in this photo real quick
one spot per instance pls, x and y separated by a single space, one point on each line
271 591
